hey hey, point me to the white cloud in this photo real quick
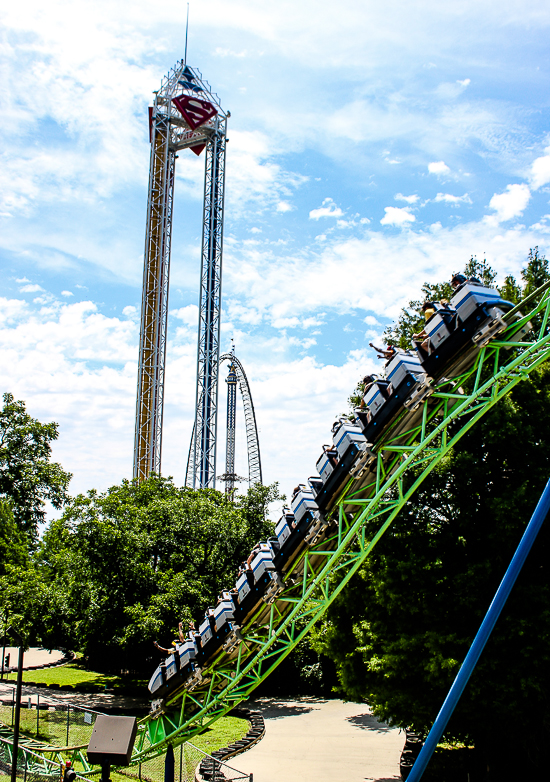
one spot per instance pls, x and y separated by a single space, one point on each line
512 203
188 314
254 180
76 366
447 198
286 323
129 311
463 82
410 199
22 279
31 288
385 269
67 293
397 216
439 167
327 209
220 52
11 310
540 170
284 206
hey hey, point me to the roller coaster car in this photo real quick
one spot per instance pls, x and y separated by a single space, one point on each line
303 503
213 631
475 315
255 582
336 463
406 385
177 667
290 536
305 507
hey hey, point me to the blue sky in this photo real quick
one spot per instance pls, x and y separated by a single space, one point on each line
372 147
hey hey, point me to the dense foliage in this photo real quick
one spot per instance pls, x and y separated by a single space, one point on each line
120 569
401 629
27 476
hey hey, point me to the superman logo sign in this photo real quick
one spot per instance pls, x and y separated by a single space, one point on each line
194 110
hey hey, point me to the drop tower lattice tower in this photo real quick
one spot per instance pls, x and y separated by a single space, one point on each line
186 114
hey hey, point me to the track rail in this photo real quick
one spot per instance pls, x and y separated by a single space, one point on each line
362 512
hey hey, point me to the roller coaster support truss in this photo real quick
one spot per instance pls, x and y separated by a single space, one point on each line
362 513
362 516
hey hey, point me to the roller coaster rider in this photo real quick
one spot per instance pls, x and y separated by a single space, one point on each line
175 644
442 350
458 281
386 353
367 383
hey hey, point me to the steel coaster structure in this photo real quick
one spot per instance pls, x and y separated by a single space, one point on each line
238 376
186 115
362 513
357 519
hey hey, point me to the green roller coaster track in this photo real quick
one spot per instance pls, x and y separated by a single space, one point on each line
409 450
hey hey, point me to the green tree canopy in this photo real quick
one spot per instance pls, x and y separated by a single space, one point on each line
13 543
122 568
27 476
403 626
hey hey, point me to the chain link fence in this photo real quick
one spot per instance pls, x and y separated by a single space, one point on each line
65 725
31 766
47 720
191 764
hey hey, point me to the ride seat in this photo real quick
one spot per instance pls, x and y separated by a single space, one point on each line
327 462
346 435
303 502
376 396
470 296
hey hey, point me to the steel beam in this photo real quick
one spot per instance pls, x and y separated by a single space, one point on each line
186 115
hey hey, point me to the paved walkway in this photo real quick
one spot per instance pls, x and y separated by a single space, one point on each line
107 701
313 740
33 656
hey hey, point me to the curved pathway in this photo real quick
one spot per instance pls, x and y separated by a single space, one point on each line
36 655
315 740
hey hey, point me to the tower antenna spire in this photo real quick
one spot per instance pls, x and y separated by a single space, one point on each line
186 35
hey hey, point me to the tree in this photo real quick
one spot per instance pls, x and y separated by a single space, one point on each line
122 568
27 476
13 543
536 272
402 627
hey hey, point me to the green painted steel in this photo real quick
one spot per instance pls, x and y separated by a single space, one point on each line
412 447
409 450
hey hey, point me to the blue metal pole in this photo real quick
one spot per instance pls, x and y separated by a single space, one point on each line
482 636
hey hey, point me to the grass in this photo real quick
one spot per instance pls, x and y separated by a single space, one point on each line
223 732
73 674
